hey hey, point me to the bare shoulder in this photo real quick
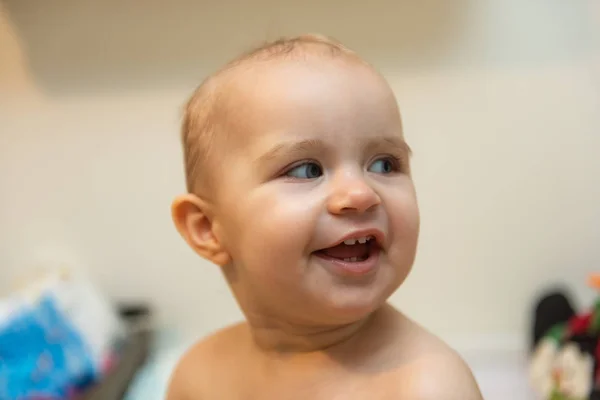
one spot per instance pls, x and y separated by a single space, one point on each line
198 367
443 376
436 371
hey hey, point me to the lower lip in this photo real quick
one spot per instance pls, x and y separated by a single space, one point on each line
356 268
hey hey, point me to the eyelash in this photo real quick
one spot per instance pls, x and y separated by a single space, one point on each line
291 167
398 165
398 162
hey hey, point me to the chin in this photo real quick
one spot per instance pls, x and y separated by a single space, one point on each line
344 300
350 305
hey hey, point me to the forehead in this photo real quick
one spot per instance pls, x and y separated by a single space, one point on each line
329 100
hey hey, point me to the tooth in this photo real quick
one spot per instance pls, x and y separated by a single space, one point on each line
347 259
363 240
350 241
353 259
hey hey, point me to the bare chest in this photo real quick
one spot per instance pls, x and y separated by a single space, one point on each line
330 386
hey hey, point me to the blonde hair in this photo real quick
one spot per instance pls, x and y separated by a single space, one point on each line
206 110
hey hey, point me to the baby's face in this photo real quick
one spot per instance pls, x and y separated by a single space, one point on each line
318 158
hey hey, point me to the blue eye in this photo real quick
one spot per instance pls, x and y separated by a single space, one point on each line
308 170
382 166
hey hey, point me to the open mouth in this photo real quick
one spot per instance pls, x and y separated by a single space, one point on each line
351 250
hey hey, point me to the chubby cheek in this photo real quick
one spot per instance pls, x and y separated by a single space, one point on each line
273 230
404 225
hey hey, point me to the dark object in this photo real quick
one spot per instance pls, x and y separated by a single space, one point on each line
129 311
553 308
134 354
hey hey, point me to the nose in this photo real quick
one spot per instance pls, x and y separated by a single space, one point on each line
352 195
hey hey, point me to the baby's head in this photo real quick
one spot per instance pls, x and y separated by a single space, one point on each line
299 182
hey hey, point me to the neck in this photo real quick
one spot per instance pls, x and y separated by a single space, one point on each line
274 336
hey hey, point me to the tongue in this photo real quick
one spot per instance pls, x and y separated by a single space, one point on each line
345 251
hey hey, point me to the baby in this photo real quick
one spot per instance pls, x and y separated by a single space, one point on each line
299 189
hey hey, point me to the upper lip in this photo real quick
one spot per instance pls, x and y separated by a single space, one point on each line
376 233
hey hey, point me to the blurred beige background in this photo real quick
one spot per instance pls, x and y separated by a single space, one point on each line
501 100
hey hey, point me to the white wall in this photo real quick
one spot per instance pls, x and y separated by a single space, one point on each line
501 100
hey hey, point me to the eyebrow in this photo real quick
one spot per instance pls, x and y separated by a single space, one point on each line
301 147
396 142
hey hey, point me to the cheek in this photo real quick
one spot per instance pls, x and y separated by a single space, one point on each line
404 220
273 229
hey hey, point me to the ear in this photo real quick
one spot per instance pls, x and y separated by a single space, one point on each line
191 217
